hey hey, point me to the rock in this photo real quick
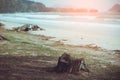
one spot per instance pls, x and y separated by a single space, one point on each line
28 27
36 27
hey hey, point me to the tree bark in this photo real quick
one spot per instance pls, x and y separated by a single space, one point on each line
3 38
69 65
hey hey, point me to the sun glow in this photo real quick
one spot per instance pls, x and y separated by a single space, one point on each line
101 5
87 4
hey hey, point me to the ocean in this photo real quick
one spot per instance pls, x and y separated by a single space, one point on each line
102 30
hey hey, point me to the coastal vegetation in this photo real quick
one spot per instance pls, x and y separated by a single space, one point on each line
28 57
12 6
8 6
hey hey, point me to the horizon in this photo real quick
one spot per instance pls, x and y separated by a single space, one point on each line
100 5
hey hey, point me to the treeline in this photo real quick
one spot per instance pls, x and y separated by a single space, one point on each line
71 10
20 6
11 6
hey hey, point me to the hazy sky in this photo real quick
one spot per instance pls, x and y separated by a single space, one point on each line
101 5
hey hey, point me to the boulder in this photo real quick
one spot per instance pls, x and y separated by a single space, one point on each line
36 27
28 27
25 27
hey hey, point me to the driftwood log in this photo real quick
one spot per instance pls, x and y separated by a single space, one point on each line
3 38
69 65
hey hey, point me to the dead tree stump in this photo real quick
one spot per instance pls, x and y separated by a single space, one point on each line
63 63
69 65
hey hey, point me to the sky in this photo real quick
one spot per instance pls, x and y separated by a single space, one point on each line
101 5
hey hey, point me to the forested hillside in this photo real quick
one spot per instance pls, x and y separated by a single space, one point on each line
7 6
11 6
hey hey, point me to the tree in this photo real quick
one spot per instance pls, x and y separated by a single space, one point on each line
20 6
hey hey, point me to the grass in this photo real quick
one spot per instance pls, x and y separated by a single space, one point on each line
24 44
33 49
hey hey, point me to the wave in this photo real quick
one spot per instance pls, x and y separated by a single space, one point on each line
53 20
58 17
104 32
50 16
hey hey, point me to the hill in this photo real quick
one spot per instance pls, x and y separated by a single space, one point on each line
12 6
115 8
7 6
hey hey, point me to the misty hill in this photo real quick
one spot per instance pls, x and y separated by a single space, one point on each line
82 10
115 8
11 6
7 6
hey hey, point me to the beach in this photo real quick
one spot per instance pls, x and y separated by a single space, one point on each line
59 40
27 56
72 28
32 55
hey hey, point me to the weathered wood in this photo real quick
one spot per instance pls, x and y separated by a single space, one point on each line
3 38
67 64
63 63
77 65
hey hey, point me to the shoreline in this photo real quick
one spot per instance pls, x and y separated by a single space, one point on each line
71 28
27 54
60 41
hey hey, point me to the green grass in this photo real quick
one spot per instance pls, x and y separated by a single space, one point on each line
24 44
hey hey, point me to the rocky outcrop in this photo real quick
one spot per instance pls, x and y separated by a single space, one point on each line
36 27
28 27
